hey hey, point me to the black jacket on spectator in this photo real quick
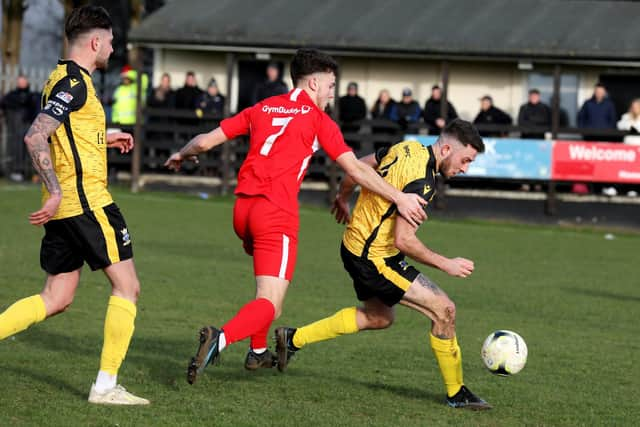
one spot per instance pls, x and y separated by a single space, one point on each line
22 102
493 116
534 115
351 109
268 89
162 99
382 112
431 112
20 107
187 97
211 104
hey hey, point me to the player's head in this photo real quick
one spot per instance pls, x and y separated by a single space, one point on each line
90 27
457 147
315 72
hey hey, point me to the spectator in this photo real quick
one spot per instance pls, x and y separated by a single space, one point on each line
381 110
630 121
406 111
351 108
432 112
271 86
382 107
187 96
163 96
534 113
598 112
20 107
125 98
187 99
212 101
491 115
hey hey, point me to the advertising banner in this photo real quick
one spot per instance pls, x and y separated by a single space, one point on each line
507 158
599 162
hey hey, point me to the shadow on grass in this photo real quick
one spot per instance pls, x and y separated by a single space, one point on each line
52 381
399 390
157 356
603 294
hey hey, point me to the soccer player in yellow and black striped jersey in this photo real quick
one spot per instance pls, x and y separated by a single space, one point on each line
68 146
373 251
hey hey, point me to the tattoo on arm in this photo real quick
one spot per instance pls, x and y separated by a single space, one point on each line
37 145
429 284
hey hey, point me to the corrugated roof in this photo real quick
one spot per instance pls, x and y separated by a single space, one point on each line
606 30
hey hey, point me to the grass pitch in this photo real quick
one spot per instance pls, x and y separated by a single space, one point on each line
573 295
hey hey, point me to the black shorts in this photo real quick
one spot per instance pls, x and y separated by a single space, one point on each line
99 237
385 278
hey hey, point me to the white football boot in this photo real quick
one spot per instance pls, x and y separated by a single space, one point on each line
115 396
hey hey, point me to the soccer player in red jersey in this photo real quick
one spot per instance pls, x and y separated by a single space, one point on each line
284 131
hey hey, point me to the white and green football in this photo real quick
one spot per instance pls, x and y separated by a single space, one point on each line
504 353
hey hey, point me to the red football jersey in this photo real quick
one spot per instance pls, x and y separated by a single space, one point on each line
284 131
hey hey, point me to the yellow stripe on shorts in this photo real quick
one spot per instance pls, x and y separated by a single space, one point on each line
390 274
109 235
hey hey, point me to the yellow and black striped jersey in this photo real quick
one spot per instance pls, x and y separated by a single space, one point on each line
409 166
78 146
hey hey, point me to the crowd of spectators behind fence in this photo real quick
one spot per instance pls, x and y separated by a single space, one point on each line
20 106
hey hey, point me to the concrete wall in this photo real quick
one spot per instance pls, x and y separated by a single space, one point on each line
468 81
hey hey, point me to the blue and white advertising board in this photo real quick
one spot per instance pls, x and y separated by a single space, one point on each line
507 158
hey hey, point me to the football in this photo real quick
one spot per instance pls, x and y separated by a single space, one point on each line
504 353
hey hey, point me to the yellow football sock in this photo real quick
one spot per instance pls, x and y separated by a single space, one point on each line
118 330
449 358
21 315
341 323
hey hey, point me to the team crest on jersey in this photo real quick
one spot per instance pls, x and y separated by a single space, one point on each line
427 188
65 96
73 82
126 239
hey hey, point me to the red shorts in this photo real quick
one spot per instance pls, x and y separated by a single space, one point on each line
269 234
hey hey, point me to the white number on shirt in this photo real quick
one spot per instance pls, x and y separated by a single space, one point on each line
282 122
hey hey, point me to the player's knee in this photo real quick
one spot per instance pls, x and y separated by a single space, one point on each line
446 314
131 291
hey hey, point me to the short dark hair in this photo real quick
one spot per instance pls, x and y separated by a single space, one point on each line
85 19
309 61
465 132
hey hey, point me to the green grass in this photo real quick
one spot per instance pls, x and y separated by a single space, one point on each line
572 295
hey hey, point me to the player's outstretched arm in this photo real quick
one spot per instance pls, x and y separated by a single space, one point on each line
409 205
37 144
340 208
409 244
199 144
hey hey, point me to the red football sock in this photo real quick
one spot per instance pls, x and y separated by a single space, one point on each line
253 318
259 339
